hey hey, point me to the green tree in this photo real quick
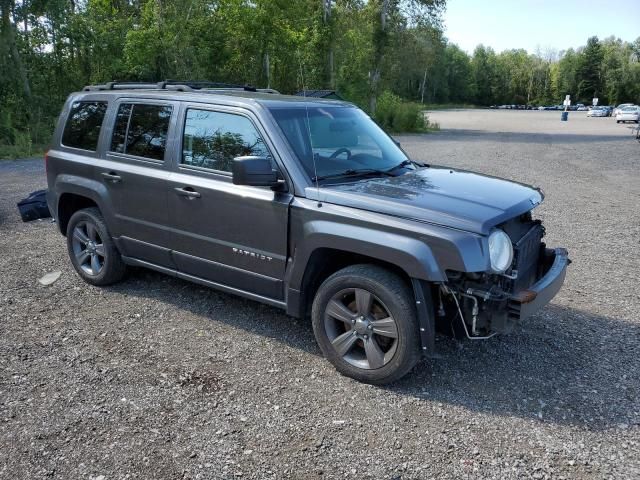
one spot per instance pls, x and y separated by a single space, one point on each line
565 76
387 18
484 75
589 71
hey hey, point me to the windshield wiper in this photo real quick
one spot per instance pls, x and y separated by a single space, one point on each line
404 163
353 172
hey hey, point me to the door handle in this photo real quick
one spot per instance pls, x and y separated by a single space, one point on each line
111 177
187 192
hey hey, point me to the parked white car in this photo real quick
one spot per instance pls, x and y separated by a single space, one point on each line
620 107
628 114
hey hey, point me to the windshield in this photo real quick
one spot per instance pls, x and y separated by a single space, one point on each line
341 139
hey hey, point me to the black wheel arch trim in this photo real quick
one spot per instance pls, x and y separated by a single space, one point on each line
83 187
426 316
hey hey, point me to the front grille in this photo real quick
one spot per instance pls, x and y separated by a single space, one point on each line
526 253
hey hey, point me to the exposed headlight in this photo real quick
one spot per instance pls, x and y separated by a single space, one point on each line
500 251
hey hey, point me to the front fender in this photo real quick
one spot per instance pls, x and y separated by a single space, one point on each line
411 255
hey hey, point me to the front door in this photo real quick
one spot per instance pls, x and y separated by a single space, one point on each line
229 234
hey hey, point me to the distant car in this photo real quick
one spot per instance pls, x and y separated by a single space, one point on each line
581 108
542 107
620 107
628 114
608 109
598 112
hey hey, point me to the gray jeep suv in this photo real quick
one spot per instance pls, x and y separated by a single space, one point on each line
299 203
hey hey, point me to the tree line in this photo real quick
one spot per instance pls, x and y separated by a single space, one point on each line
608 70
381 54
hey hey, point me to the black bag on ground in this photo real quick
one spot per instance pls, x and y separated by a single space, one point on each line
34 206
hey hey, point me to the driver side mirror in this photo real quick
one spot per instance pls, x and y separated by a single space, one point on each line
254 172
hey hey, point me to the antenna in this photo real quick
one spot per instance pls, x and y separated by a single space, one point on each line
306 108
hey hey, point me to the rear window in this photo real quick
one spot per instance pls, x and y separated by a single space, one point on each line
82 129
141 130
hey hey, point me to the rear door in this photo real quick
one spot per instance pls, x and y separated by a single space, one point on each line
135 172
229 234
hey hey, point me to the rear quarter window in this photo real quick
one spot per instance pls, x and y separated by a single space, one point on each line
84 122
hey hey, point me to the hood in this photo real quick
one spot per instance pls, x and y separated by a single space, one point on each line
443 196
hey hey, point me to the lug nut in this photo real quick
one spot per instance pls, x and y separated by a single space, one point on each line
366 337
369 327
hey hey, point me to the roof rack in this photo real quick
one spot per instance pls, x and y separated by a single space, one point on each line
177 85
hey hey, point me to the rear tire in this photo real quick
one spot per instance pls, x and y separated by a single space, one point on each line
364 321
92 251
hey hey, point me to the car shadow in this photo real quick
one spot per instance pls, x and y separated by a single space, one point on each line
563 365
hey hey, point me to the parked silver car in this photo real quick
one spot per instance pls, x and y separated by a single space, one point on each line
598 112
628 114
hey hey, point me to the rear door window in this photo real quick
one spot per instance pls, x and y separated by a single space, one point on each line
141 130
84 122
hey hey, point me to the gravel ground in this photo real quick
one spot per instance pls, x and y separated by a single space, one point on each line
158 378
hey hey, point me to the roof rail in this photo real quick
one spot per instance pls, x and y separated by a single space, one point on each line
177 85
122 86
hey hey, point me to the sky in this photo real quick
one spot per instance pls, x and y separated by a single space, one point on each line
543 24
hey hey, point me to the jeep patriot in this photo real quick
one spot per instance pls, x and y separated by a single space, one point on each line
300 203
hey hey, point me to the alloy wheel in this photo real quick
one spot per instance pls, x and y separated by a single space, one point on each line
88 248
361 329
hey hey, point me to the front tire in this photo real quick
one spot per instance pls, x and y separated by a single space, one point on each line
92 251
364 321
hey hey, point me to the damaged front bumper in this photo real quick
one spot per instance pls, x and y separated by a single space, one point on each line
477 311
524 303
478 306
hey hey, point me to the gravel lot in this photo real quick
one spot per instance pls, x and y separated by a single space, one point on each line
159 378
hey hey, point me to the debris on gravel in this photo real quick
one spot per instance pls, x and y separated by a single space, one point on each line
49 278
